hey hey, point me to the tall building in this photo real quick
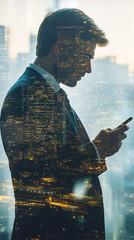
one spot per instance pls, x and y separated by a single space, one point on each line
113 73
3 58
32 45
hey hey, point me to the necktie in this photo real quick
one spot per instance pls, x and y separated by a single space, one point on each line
63 96
76 121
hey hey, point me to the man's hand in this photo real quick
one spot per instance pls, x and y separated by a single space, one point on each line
109 141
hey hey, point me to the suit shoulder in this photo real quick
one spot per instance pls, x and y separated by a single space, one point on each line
31 88
26 79
30 79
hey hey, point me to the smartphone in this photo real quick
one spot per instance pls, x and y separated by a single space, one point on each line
124 123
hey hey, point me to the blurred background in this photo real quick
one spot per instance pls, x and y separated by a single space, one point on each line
102 99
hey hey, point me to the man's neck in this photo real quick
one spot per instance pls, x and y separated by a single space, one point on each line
47 63
43 62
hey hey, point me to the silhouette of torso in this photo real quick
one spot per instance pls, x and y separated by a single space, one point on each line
53 164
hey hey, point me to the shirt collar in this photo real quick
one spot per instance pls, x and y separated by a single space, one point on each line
47 76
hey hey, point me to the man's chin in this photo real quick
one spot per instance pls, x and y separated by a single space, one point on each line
69 82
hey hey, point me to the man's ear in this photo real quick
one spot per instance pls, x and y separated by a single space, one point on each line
55 49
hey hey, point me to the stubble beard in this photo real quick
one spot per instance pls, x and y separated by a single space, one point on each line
64 77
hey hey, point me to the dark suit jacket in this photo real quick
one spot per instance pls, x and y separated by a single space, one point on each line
53 164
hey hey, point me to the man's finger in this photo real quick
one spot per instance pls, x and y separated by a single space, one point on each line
119 144
108 129
123 136
121 130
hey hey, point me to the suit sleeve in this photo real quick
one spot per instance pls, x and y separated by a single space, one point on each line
33 130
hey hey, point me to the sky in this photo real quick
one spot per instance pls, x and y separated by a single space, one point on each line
115 17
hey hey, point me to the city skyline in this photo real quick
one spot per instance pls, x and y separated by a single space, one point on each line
119 93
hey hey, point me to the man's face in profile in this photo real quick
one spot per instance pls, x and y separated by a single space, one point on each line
74 60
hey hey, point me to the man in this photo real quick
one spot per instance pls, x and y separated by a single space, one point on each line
54 165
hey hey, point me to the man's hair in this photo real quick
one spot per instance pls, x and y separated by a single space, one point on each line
47 34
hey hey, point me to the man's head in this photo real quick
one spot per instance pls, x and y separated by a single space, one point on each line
90 34
47 34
